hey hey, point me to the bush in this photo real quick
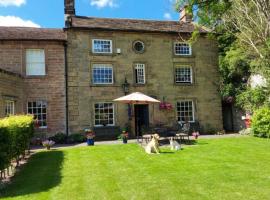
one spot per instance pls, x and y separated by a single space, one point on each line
15 135
261 122
59 138
76 138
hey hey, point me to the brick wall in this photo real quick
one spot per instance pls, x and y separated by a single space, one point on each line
160 62
50 88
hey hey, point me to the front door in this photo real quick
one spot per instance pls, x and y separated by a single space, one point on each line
141 118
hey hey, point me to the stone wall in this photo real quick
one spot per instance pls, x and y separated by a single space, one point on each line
11 89
50 88
160 62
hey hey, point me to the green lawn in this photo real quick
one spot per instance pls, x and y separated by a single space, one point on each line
232 168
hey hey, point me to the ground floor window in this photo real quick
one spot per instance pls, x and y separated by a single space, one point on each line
104 114
185 111
9 107
39 110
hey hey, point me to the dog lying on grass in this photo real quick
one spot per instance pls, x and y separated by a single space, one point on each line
153 145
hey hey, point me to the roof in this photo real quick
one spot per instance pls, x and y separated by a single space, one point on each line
29 33
133 25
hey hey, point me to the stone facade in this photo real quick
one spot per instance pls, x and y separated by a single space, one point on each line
11 89
160 63
49 88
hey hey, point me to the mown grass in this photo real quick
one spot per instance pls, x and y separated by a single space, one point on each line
222 169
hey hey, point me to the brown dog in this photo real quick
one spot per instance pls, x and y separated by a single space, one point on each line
153 145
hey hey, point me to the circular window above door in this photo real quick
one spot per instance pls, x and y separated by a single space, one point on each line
138 46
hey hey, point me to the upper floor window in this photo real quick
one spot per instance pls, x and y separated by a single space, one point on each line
185 111
104 114
139 73
39 110
181 48
138 46
35 62
183 74
102 74
101 46
9 107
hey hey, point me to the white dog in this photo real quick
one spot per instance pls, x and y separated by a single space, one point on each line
174 145
153 145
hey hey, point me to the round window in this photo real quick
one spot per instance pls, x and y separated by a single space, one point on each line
138 46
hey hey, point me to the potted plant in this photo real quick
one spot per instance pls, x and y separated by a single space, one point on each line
48 144
195 135
124 136
90 135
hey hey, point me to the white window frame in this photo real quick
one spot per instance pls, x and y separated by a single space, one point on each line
113 107
9 107
100 65
139 66
40 127
193 109
93 46
181 54
27 62
191 74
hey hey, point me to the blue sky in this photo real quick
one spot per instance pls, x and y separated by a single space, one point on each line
50 13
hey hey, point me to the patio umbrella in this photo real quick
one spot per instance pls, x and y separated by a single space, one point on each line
136 98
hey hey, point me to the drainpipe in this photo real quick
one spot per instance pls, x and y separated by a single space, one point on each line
66 90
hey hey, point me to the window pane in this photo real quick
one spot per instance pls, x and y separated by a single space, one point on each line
140 73
35 62
102 74
182 49
183 74
104 114
185 111
39 110
102 46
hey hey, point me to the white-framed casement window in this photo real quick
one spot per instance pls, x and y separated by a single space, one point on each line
104 114
9 107
185 111
39 110
102 74
139 73
183 74
182 48
101 46
35 62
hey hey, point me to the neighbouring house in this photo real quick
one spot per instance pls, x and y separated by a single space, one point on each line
105 55
32 75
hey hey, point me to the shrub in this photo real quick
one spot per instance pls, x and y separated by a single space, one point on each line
15 135
76 138
59 138
261 122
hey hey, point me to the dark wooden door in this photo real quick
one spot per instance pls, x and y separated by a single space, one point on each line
141 118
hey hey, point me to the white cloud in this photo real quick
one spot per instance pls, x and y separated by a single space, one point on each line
6 3
167 16
16 21
103 3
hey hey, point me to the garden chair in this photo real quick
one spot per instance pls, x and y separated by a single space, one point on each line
183 132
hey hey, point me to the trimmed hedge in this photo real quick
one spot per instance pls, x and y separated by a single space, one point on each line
15 135
261 122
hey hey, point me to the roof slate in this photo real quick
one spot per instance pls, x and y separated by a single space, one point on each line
28 33
133 25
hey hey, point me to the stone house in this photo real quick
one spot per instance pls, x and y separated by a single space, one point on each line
32 75
152 57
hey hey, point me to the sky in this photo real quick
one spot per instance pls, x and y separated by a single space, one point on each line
50 13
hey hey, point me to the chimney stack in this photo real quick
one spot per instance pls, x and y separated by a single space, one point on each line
184 15
69 10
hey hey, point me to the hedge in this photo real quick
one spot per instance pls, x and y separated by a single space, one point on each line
15 135
260 124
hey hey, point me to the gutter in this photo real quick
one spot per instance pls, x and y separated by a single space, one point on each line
66 90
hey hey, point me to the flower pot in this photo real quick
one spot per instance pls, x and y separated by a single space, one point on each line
125 140
48 148
90 142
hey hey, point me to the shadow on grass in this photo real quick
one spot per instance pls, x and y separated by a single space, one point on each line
41 173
